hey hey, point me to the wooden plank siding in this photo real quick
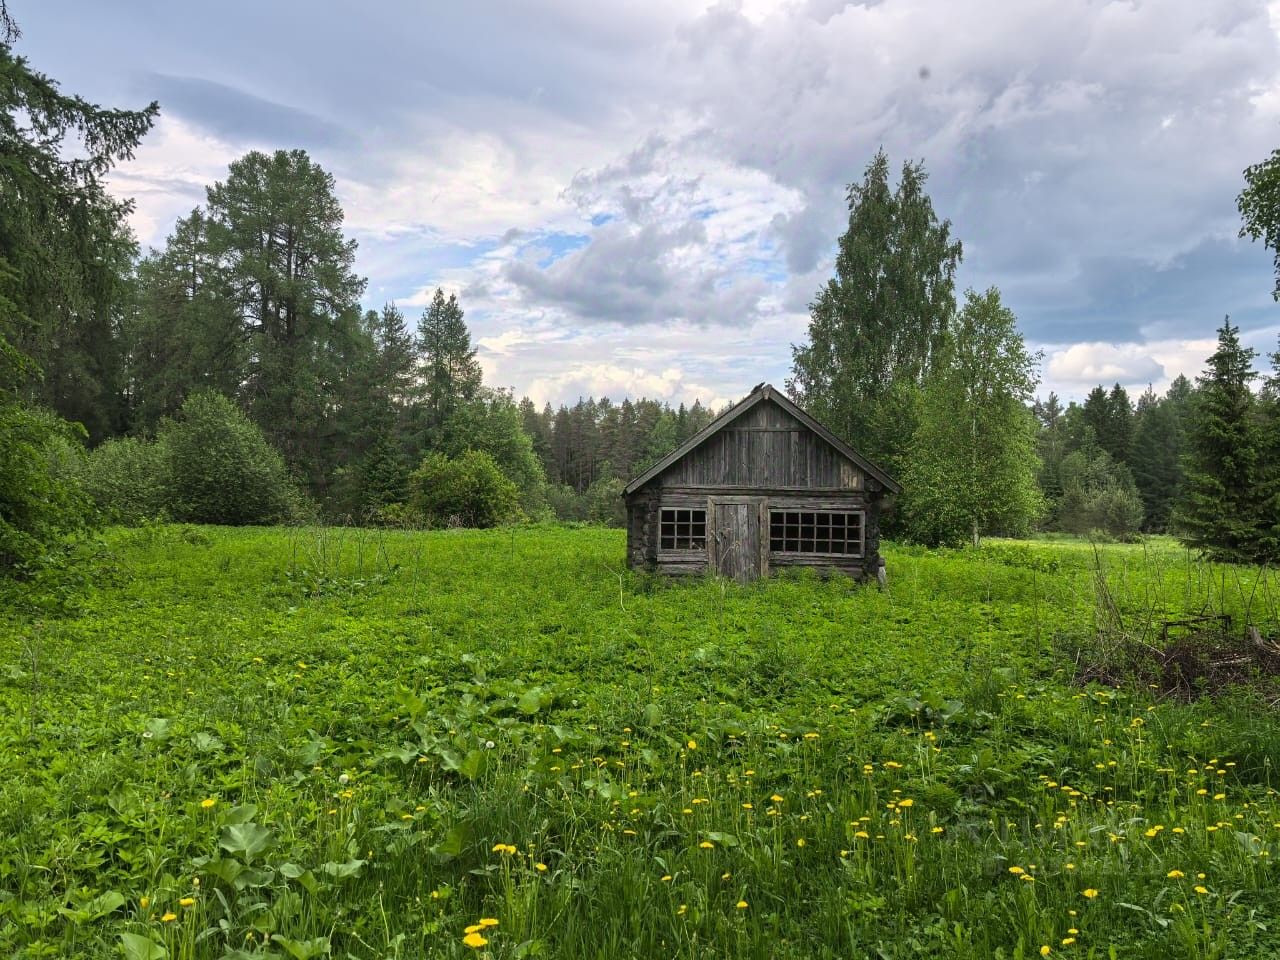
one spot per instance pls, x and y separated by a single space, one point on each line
766 455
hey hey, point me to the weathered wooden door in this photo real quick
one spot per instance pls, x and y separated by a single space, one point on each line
735 539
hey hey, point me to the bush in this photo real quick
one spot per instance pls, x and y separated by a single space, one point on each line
125 480
219 468
1098 497
41 498
605 504
566 503
469 491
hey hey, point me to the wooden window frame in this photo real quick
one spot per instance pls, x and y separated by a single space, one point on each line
815 525
693 544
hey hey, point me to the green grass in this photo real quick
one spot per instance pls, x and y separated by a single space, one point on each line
303 743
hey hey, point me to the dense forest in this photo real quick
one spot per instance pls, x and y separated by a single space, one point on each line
235 376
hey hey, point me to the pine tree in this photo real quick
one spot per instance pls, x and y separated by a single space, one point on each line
185 331
1220 513
275 227
450 373
876 327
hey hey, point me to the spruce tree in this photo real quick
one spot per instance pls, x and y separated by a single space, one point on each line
1220 513
1269 524
449 371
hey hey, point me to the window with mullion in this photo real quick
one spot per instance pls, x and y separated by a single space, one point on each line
820 532
682 529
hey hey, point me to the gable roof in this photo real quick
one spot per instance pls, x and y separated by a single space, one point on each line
761 393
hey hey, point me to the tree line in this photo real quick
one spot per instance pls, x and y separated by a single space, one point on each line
941 391
233 375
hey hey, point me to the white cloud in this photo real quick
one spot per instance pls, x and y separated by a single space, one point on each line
1073 370
1079 148
168 176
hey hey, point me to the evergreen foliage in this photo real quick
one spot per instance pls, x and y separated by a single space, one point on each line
1156 457
449 372
1099 497
64 248
64 252
1221 514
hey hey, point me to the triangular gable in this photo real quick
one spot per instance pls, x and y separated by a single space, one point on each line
757 396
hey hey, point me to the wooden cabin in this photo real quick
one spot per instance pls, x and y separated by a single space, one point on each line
764 486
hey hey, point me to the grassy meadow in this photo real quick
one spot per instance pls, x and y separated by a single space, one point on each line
298 743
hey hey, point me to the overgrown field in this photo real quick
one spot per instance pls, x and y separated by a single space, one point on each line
304 743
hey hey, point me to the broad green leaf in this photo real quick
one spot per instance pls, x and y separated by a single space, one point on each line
137 947
206 742
304 949
533 700
241 814
340 871
246 839
454 841
473 764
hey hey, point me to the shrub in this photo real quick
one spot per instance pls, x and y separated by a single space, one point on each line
124 478
219 468
604 502
468 491
566 503
41 498
1098 496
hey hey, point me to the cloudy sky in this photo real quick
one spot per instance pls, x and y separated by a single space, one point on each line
642 198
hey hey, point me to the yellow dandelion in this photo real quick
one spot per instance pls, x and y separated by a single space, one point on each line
775 798
906 803
474 940
488 922
742 904
1045 951
187 902
1017 871
540 867
169 917
1175 874
862 835
666 878
706 845
936 830
1068 941
800 842
207 803
1201 890
1089 894
692 744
